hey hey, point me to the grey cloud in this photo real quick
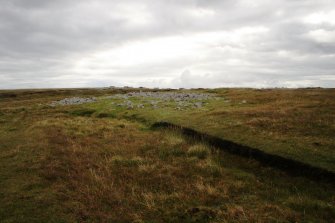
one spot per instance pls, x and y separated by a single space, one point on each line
42 41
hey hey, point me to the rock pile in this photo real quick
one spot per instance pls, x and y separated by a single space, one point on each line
157 99
166 96
73 101
169 96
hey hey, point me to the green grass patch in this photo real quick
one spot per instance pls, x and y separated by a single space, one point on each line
82 112
105 115
165 153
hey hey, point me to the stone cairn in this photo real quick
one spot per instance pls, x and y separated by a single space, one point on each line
159 99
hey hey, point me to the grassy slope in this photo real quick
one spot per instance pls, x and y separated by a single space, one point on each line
298 124
57 166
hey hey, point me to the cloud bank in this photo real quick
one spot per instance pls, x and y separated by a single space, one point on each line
153 43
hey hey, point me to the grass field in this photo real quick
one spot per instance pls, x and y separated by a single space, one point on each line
99 162
298 124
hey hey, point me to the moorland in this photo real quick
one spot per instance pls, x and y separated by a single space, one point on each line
91 155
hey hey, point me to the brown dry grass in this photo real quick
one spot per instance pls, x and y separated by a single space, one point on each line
57 167
101 168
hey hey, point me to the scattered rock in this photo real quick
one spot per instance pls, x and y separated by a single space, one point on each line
198 104
73 101
165 95
158 99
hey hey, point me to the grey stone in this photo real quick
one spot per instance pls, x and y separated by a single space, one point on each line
73 101
198 104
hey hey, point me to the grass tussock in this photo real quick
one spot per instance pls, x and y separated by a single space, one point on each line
199 151
119 160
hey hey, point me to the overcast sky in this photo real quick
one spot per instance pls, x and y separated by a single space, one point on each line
167 43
